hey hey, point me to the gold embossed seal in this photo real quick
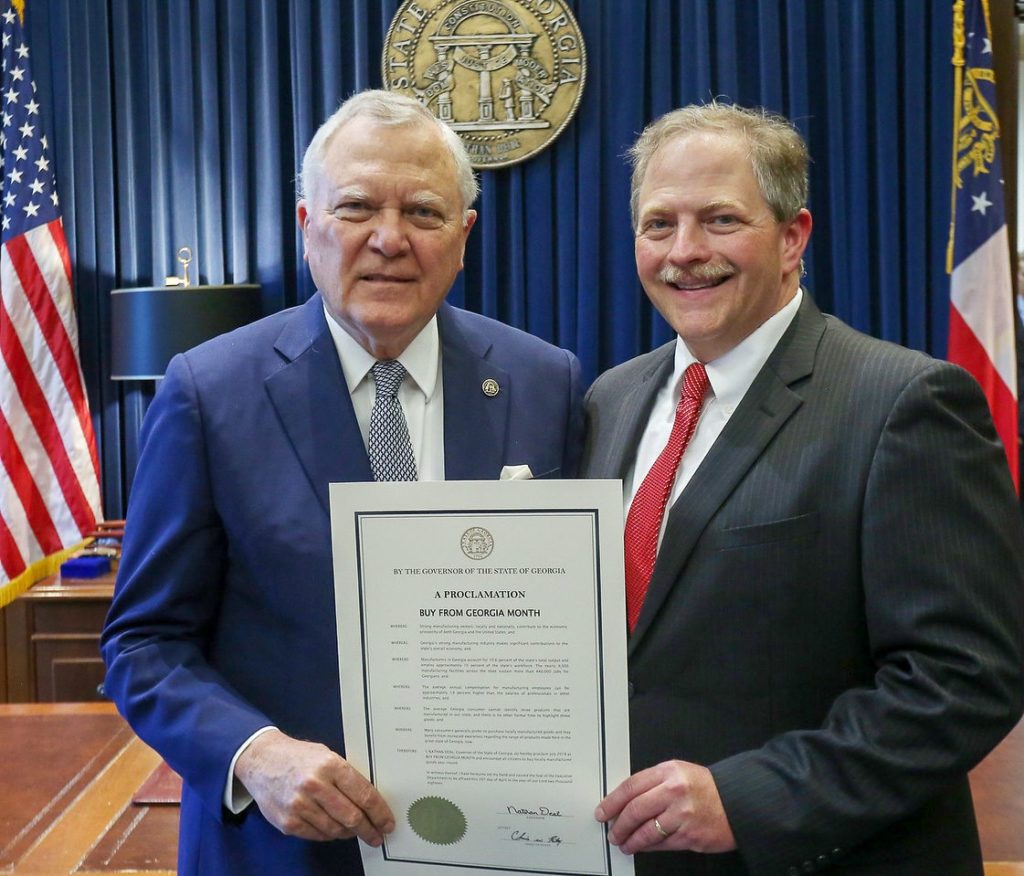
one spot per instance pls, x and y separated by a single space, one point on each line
507 75
437 820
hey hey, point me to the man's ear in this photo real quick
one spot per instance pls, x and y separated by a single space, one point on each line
467 226
795 236
302 218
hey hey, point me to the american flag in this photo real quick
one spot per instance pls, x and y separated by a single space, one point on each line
49 472
981 330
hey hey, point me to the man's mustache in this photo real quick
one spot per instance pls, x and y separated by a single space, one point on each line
696 275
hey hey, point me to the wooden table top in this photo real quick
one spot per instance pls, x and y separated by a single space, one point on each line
55 587
998 788
70 770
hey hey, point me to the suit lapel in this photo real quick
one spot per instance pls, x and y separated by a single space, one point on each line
475 424
313 403
768 404
618 453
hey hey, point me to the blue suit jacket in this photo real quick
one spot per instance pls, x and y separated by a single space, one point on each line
223 616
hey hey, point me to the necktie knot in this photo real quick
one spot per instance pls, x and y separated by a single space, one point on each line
388 374
695 382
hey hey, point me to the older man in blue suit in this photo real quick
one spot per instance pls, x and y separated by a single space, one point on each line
220 644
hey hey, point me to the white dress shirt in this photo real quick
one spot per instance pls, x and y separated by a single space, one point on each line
730 376
421 393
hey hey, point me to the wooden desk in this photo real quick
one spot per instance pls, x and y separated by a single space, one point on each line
69 773
998 788
50 641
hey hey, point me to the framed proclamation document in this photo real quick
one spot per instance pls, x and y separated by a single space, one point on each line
482 649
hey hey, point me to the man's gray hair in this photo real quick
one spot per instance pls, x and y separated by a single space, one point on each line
386 108
778 154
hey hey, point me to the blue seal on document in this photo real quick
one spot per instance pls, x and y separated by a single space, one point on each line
477 543
437 820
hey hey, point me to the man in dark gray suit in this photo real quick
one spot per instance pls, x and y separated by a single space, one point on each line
825 592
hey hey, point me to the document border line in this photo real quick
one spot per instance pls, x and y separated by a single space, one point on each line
593 514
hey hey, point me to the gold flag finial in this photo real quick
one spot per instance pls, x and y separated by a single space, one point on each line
19 7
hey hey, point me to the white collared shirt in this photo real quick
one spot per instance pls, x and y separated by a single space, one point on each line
421 393
730 377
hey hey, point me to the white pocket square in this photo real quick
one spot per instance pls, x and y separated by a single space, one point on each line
515 473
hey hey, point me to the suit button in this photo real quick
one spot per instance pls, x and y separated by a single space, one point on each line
836 852
809 866
630 690
822 860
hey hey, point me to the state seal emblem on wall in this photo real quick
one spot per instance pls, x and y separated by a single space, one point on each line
507 75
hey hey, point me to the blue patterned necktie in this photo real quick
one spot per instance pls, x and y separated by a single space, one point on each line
389 445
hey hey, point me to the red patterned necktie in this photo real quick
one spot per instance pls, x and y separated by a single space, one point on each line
643 523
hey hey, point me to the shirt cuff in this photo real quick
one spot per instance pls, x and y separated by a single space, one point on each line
236 797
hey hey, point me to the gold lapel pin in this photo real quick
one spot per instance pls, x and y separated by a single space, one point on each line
490 387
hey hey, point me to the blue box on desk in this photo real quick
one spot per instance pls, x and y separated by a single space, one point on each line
85 567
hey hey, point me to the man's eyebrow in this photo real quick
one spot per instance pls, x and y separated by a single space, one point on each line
654 208
721 204
357 192
428 198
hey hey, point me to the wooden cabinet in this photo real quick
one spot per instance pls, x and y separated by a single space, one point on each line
50 640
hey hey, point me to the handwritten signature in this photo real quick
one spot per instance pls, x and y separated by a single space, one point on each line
540 810
525 837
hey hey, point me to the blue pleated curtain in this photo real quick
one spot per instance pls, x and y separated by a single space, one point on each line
182 122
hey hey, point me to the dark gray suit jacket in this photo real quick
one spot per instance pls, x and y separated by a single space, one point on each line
835 623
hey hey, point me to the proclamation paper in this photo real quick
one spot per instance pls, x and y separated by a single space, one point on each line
482 649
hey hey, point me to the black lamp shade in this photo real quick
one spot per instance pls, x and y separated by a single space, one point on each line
150 325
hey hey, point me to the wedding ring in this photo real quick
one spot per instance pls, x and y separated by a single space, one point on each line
660 829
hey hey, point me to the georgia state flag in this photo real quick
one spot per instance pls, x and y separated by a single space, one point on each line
981 330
